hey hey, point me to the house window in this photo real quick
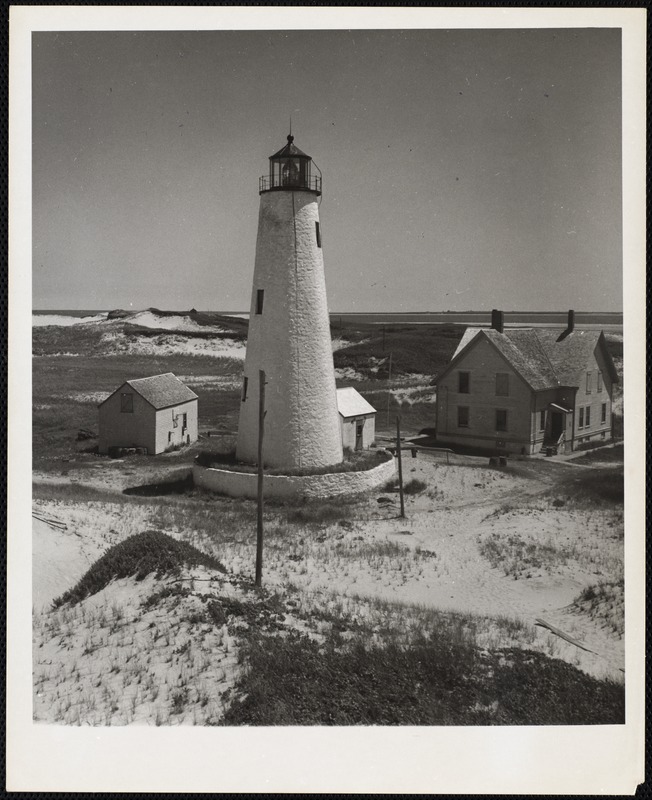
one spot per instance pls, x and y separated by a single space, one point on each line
175 420
587 418
502 384
580 423
464 382
184 422
318 233
603 414
260 296
501 419
127 403
542 420
588 382
245 384
599 381
462 416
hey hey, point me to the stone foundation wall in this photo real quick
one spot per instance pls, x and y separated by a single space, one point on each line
286 487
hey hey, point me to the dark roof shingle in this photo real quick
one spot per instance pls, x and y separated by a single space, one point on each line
540 358
162 391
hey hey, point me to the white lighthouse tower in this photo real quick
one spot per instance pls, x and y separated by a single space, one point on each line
289 332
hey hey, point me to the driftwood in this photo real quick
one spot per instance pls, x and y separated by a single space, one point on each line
53 523
543 624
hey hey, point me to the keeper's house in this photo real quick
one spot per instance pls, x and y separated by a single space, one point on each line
526 390
156 414
357 419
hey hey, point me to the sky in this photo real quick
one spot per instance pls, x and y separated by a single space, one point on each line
462 169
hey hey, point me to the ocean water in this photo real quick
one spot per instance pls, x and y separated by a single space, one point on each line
609 320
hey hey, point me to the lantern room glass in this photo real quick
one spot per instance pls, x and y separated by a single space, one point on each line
290 168
290 172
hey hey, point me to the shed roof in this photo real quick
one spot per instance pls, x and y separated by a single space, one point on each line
350 403
161 391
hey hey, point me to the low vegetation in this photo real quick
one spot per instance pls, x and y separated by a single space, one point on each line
604 602
138 556
440 681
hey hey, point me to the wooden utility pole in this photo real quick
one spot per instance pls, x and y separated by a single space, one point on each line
389 378
400 464
261 433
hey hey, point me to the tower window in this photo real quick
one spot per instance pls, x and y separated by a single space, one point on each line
318 233
260 295
245 384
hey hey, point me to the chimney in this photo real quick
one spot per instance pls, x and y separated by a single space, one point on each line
497 320
570 327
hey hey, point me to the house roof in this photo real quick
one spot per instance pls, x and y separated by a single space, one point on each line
161 391
538 356
523 351
570 356
350 403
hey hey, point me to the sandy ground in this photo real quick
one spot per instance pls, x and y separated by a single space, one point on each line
433 557
114 659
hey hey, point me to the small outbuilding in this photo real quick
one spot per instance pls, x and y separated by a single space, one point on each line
154 414
357 419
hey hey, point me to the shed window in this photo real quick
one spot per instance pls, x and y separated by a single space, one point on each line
501 419
127 403
245 384
589 376
603 415
599 381
318 233
462 416
260 296
502 384
542 420
464 382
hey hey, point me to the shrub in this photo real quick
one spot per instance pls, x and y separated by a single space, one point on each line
415 486
137 556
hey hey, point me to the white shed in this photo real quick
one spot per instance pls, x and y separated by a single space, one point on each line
155 413
357 419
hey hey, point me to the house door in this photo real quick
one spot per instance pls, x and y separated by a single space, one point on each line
358 434
556 425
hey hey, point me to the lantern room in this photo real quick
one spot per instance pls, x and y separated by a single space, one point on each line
290 169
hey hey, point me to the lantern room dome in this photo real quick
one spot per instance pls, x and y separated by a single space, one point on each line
290 170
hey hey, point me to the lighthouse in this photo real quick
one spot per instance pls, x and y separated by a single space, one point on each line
289 331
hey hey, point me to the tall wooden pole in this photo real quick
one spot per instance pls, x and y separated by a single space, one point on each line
261 433
389 379
400 464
